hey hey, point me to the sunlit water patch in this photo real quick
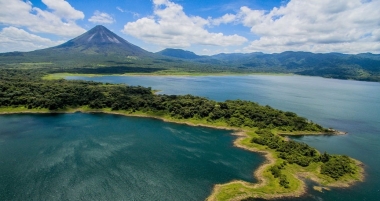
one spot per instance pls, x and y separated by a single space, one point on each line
108 157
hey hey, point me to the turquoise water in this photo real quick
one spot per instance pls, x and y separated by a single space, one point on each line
109 157
346 105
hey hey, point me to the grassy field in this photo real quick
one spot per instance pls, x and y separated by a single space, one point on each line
57 76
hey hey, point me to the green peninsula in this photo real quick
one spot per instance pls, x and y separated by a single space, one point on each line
259 128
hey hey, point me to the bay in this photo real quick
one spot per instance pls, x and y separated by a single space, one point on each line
109 157
346 105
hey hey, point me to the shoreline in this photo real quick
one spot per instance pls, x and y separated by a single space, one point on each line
57 76
179 74
270 160
241 135
330 133
258 174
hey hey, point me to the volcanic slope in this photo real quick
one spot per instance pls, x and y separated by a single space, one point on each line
100 40
97 47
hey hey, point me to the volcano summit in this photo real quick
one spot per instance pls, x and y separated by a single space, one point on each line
100 40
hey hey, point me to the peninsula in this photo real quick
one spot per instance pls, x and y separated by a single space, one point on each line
258 127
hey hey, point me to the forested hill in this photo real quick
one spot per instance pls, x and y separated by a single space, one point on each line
331 65
179 53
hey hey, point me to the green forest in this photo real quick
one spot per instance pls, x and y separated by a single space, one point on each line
363 67
334 166
25 88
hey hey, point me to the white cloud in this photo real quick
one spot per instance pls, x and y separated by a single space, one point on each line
315 25
101 18
251 17
171 27
63 9
225 19
60 20
14 39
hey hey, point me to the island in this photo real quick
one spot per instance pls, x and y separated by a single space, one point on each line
259 128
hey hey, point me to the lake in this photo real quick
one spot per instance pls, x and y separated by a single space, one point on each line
351 106
110 157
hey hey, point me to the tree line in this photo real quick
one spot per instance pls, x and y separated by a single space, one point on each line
334 166
21 88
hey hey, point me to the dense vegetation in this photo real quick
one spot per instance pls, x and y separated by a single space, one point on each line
276 172
331 65
334 166
337 166
364 67
22 88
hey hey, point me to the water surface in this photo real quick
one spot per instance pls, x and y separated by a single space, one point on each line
346 105
109 157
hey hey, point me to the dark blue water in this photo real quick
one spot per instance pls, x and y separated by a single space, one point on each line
346 105
109 157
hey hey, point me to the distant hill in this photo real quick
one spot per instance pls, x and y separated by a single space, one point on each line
179 53
333 65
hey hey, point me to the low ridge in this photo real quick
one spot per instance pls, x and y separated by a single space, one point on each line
179 53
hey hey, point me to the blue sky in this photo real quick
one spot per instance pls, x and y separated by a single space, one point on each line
204 27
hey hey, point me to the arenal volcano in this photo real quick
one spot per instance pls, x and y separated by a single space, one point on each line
98 46
100 40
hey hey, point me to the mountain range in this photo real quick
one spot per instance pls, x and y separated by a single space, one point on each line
101 51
